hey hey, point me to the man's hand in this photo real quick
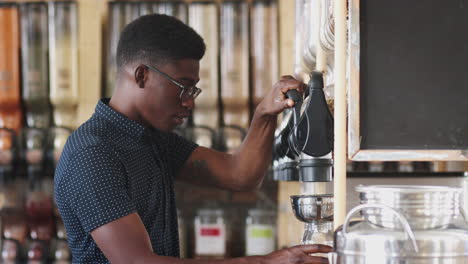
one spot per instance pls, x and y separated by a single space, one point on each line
299 254
276 101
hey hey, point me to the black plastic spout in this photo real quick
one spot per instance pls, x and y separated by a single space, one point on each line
313 133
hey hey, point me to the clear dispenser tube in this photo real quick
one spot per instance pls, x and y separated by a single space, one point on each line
34 58
173 8
235 62
264 47
203 18
145 8
120 14
63 61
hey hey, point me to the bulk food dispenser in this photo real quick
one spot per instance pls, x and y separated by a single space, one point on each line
304 140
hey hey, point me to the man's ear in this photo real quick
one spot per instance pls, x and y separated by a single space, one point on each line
141 75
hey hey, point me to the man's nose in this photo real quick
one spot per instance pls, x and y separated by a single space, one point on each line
189 103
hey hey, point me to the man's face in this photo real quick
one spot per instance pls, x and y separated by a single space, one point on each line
160 104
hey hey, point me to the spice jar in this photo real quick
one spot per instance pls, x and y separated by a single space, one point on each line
260 232
211 234
10 251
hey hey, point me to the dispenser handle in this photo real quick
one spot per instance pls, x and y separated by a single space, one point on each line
400 217
297 98
294 95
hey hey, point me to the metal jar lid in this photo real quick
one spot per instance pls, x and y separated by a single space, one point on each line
424 207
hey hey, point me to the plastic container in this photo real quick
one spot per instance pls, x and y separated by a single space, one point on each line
260 232
211 234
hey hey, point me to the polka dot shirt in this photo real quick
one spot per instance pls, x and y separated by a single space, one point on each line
111 167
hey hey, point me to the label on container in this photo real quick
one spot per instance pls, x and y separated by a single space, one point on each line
210 239
260 239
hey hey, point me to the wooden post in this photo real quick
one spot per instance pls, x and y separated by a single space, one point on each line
340 113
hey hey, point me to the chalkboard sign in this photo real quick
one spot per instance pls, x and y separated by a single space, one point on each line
408 89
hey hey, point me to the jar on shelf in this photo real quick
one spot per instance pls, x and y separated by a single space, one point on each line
211 234
10 251
260 232
376 166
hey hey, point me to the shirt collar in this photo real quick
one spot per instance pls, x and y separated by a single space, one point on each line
121 122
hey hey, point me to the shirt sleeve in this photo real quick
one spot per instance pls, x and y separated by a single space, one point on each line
95 187
180 150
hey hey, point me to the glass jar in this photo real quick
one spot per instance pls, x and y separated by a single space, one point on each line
13 220
376 166
63 61
203 17
264 47
234 64
319 233
34 60
405 166
211 234
36 251
260 232
61 251
10 251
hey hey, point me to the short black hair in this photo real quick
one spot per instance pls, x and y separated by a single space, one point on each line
158 39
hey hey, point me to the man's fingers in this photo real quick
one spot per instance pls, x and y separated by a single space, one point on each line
317 260
292 84
286 77
315 248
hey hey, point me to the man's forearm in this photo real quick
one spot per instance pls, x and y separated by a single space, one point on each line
254 156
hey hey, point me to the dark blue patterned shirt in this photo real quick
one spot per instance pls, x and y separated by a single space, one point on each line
111 167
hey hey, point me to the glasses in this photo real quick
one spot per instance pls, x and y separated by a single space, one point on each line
187 92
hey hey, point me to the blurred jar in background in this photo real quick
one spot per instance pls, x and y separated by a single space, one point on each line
234 59
13 220
59 249
203 18
390 166
120 14
405 166
10 251
376 166
34 63
260 232
211 234
176 8
263 48
63 61
10 98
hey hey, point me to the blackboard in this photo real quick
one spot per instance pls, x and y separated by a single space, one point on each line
413 74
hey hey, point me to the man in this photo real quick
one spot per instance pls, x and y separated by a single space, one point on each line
114 181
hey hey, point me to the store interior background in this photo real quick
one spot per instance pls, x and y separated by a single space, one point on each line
58 60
